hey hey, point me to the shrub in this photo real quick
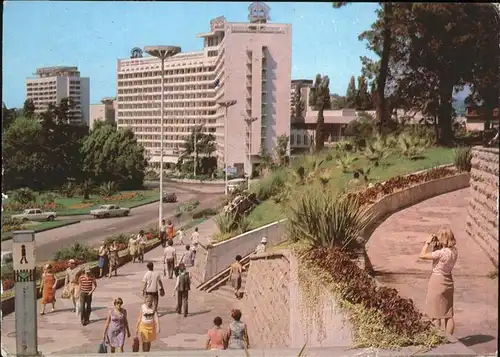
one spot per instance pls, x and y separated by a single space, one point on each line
204 213
86 188
412 146
462 159
244 224
324 219
224 222
69 190
151 175
380 317
76 251
118 238
271 184
345 162
10 224
48 197
23 195
187 206
108 189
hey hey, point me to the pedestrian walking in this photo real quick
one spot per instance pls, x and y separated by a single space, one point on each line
116 327
141 245
113 259
237 333
163 233
187 257
169 259
103 259
148 324
195 238
71 282
152 285
235 271
170 230
182 287
216 336
132 248
88 285
180 233
48 288
261 247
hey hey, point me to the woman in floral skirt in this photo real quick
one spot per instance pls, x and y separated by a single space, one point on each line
116 326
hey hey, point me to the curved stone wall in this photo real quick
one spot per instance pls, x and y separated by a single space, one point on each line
482 220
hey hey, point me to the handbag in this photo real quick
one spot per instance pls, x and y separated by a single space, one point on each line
65 294
162 292
102 348
135 344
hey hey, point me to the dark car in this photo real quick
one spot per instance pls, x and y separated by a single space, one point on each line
169 198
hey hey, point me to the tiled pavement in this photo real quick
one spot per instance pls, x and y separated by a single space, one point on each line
394 248
61 332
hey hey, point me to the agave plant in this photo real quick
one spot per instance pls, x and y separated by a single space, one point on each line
225 222
364 172
344 145
327 220
244 224
376 151
412 146
108 189
345 162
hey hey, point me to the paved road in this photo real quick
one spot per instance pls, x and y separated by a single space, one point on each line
60 332
393 250
92 232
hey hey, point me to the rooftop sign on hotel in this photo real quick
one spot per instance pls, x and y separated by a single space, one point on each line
258 12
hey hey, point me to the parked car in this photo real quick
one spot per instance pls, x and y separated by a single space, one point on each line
235 184
34 214
110 211
169 198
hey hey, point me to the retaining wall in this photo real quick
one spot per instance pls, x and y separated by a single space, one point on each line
219 256
482 220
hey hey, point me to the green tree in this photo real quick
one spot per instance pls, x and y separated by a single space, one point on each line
113 155
281 149
205 146
363 100
8 116
338 101
29 109
319 98
381 45
299 105
24 164
350 94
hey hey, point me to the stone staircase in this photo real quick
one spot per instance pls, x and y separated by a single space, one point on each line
226 291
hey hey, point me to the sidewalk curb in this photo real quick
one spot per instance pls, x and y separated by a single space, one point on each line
48 229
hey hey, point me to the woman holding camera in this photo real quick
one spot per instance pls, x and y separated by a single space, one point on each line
439 300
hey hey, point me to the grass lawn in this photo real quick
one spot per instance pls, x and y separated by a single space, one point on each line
77 206
42 226
394 165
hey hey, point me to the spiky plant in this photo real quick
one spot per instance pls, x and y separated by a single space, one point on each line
376 150
324 219
412 146
225 222
345 162
462 159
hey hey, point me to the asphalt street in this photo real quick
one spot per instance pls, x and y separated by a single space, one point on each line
94 231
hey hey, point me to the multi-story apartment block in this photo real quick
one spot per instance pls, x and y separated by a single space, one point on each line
52 84
104 111
249 63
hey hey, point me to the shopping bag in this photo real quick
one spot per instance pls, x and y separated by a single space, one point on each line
135 344
65 294
102 348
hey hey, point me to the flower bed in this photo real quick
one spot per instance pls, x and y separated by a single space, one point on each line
372 194
47 206
122 197
379 316
81 205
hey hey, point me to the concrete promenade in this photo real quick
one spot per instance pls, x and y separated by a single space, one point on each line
60 332
394 248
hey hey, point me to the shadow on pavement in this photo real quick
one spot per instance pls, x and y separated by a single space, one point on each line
475 339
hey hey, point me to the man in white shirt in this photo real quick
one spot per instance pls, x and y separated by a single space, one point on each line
188 257
169 259
261 248
152 285
195 238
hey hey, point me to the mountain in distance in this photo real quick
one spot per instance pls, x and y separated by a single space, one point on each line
459 101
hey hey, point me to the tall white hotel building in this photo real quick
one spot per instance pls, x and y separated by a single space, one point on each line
247 62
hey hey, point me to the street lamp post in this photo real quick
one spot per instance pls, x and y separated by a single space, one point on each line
249 121
162 52
195 144
226 104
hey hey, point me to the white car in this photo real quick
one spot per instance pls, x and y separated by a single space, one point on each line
34 214
110 211
234 184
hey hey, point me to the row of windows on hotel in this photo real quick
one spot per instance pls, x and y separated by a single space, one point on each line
172 72
170 129
169 89
168 105
167 121
170 81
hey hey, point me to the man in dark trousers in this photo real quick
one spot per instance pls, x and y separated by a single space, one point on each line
182 287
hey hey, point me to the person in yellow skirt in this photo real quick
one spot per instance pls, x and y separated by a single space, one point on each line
148 324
